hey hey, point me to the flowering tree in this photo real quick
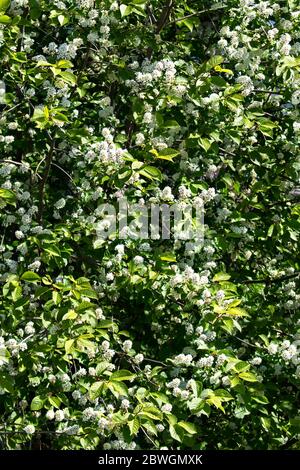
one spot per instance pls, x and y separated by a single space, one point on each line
128 342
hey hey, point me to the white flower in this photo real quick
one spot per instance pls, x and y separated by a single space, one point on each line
99 314
120 249
50 414
29 329
105 345
272 348
127 345
138 260
167 408
89 414
166 194
60 204
29 429
76 394
256 361
205 361
221 359
59 415
71 430
125 404
139 139
183 359
114 6
174 383
19 234
35 266
138 359
160 427
296 126
147 118
226 381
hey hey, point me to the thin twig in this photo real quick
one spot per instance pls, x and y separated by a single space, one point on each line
64 171
164 16
18 164
248 344
44 179
197 13
269 280
267 91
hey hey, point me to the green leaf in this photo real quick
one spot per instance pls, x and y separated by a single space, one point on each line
68 77
216 401
70 315
195 404
30 276
16 293
241 366
248 376
64 64
221 277
4 19
125 10
205 143
213 61
121 375
169 257
134 426
105 324
6 382
188 23
167 154
37 403
83 344
150 427
56 297
151 172
176 433
224 395
261 399
35 10
234 303
4 5
62 19
228 325
218 81
96 390
118 388
237 311
54 401
52 250
8 195
151 412
270 231
266 423
295 422
171 124
188 427
69 346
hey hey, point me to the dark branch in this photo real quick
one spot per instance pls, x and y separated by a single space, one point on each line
269 280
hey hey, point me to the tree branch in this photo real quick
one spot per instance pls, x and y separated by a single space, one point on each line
269 280
164 16
197 13
44 179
